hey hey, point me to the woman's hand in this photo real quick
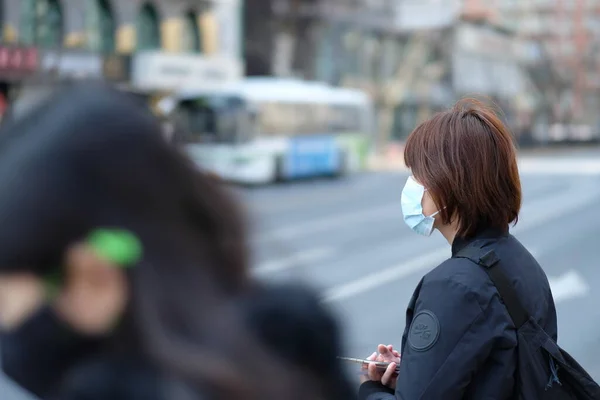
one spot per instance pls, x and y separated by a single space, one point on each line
387 377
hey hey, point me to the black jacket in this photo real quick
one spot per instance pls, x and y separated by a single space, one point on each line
55 363
459 341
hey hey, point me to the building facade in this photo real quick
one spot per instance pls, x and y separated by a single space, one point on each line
566 33
413 57
193 26
352 43
150 45
324 40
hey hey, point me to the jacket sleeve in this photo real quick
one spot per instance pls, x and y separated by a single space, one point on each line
372 390
449 337
114 377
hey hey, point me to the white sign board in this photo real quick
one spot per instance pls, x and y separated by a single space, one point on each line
165 71
72 64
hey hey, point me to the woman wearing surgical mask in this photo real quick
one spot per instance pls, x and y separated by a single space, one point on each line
124 270
460 341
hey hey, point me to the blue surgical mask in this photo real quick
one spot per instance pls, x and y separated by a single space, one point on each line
412 196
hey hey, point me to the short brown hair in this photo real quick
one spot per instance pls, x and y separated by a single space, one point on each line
466 158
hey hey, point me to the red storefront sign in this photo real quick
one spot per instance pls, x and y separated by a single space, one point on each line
18 61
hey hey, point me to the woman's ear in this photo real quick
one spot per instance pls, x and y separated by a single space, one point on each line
94 292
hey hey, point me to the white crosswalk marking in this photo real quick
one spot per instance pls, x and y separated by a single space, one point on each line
295 260
423 263
568 286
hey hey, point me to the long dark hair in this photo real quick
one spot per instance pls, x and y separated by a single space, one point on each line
91 158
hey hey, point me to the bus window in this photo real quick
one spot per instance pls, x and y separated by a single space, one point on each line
214 119
322 116
339 119
272 119
265 122
347 119
247 123
301 121
290 119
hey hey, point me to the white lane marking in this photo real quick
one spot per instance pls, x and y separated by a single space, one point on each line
387 275
422 263
336 221
547 204
568 286
544 209
295 260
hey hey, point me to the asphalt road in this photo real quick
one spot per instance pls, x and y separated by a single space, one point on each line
347 238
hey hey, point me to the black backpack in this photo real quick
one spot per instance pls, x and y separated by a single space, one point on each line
544 370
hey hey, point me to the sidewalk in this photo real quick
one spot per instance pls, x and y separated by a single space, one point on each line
558 159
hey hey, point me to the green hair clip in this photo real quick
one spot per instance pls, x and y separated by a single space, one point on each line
115 245
118 246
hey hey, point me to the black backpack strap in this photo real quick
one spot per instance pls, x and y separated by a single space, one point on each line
489 260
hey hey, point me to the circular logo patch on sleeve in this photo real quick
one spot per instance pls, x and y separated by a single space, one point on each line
424 331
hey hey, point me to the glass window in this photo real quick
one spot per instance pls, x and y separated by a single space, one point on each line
99 26
2 19
215 119
274 119
41 23
314 120
49 32
321 115
148 30
325 57
190 41
107 27
351 46
293 113
264 120
307 124
27 22
344 119
281 119
288 118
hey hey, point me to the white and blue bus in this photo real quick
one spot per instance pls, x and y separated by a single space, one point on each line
261 130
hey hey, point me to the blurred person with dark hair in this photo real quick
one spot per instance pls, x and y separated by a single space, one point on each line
460 341
124 270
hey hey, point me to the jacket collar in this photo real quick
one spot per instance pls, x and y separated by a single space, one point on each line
487 233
